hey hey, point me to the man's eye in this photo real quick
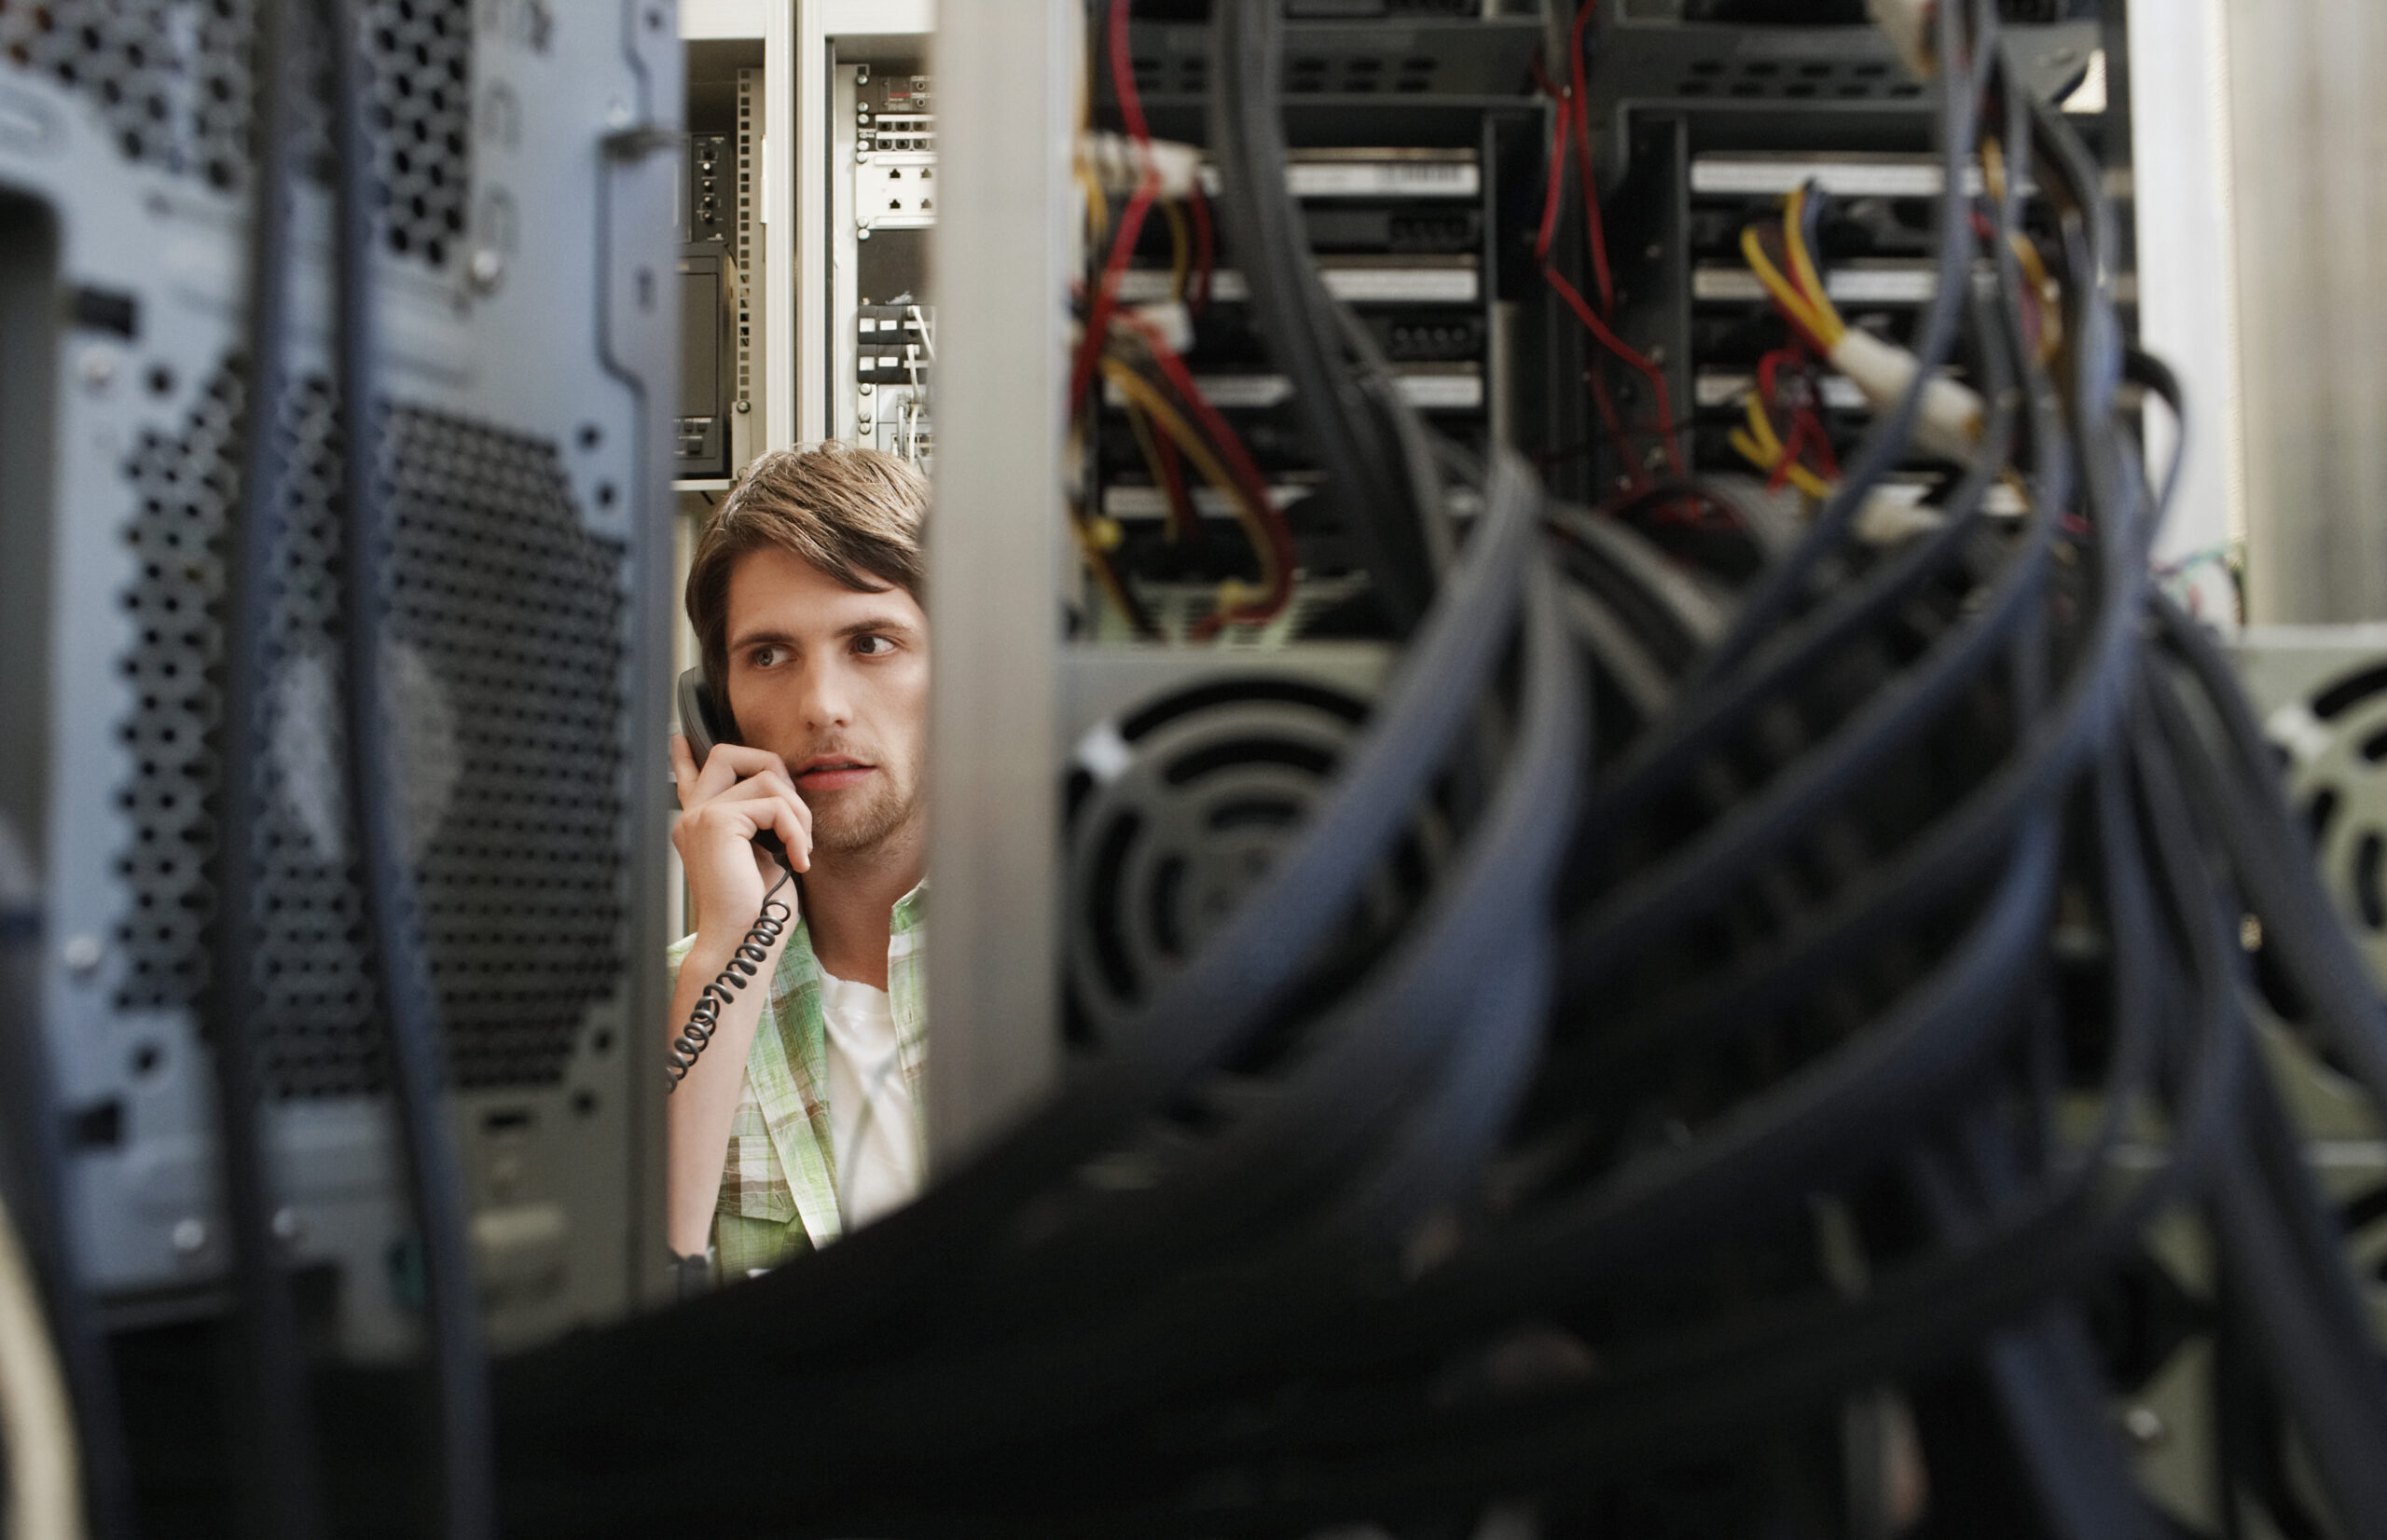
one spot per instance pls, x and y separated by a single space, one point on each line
872 646
765 656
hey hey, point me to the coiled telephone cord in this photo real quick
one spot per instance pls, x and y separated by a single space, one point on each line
744 964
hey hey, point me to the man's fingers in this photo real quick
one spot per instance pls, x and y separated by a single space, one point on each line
730 762
781 813
770 783
793 822
683 768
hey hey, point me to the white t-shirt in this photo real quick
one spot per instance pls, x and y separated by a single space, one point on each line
874 1129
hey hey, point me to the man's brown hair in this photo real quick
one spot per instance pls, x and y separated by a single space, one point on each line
854 513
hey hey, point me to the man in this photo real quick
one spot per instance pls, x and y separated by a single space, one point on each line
801 1116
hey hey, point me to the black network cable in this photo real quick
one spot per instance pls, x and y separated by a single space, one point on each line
1363 459
279 1482
409 1004
1875 844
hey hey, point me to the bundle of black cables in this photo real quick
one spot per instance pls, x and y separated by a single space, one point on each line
1792 1043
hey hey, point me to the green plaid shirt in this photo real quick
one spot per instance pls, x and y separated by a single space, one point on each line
778 1185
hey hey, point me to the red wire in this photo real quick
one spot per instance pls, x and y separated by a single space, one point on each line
1806 423
1592 226
1131 222
1185 520
1123 76
1553 192
1624 349
1574 121
1238 463
1106 294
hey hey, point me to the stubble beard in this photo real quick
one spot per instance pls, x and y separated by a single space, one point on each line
846 826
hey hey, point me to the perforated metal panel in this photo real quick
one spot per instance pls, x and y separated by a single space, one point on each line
515 615
421 53
172 78
169 75
505 669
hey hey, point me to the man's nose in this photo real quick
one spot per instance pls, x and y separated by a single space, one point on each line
826 701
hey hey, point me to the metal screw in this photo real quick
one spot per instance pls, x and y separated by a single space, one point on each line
287 1226
745 405
82 954
2145 1425
487 268
99 367
864 389
862 234
191 1236
617 114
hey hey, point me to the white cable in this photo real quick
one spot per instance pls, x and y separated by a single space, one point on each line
1120 165
1950 423
45 1497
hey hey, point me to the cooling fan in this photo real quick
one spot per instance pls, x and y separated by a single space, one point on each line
1179 799
2331 725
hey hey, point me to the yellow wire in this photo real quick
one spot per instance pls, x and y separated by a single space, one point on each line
1141 391
1761 446
1828 333
1797 476
1090 544
2035 272
1141 427
2035 268
1180 259
1762 427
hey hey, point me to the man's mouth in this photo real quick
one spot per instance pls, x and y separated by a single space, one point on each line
830 773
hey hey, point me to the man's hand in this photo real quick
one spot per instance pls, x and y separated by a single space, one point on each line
739 793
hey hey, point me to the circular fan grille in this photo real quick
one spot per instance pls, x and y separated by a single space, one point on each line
1179 808
2336 744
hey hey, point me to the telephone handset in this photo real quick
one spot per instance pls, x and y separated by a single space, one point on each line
703 727
704 724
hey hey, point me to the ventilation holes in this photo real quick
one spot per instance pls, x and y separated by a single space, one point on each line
1359 73
420 54
1767 77
171 77
506 621
517 611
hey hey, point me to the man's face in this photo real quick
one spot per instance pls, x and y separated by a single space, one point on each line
837 683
